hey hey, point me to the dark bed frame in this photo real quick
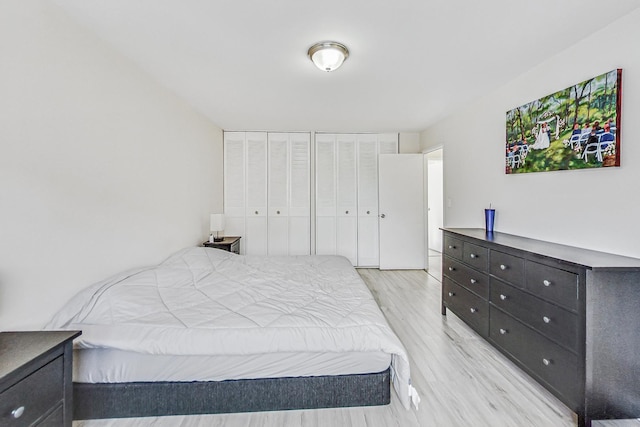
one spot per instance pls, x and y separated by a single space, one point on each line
147 399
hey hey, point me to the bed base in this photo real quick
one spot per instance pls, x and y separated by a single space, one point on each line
147 399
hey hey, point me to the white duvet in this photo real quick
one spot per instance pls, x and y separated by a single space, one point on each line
204 301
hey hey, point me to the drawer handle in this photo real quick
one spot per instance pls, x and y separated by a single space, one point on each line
451 247
346 212
503 267
503 331
473 255
451 294
278 212
17 413
546 362
473 281
473 310
503 297
256 212
451 268
546 283
368 212
546 319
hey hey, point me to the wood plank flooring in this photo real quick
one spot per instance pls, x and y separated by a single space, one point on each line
462 380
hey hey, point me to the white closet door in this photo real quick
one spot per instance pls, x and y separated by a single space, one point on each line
325 194
346 198
278 190
300 194
234 184
368 246
256 191
388 143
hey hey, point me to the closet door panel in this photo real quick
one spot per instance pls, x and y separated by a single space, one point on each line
300 194
368 246
300 174
346 198
278 194
325 194
387 143
234 174
299 235
256 191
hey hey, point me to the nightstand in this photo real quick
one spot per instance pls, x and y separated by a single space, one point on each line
36 387
230 244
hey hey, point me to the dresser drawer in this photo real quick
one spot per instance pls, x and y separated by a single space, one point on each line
37 394
546 360
507 267
552 321
55 419
452 247
553 284
476 256
467 305
468 277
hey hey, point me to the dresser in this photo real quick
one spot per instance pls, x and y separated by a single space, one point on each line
569 317
35 378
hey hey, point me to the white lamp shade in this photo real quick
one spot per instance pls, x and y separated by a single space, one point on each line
328 56
216 222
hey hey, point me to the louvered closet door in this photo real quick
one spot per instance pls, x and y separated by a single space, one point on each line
278 200
346 198
234 185
325 194
387 143
368 247
300 194
256 191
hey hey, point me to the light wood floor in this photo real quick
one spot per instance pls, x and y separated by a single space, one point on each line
461 379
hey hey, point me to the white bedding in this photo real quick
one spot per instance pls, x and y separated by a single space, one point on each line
204 301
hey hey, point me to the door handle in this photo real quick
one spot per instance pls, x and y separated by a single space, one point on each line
382 215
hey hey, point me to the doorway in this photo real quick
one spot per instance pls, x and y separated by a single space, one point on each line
435 211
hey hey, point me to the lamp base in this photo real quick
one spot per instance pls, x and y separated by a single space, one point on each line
218 239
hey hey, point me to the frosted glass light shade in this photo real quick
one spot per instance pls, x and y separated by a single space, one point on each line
328 56
216 222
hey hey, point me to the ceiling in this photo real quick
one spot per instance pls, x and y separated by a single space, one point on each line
243 64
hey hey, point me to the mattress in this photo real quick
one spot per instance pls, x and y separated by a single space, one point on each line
203 302
117 366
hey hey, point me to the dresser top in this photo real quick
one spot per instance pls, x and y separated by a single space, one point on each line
19 348
594 260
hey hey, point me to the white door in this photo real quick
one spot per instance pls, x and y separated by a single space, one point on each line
300 194
401 201
368 201
278 190
234 185
256 204
325 194
346 198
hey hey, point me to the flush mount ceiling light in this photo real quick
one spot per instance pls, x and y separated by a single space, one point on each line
328 56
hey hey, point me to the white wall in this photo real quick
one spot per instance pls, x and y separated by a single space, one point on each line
409 142
101 169
597 209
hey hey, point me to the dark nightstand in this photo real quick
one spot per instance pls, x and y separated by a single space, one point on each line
230 244
36 387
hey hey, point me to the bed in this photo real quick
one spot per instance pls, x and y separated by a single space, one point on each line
209 331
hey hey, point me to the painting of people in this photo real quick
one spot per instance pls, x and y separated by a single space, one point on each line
575 128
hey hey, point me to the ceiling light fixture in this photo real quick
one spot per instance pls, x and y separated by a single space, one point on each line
328 56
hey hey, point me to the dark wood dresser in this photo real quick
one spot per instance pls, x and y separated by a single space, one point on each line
569 317
35 378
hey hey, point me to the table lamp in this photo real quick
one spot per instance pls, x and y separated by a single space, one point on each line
217 227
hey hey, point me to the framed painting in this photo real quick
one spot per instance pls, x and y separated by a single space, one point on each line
575 128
